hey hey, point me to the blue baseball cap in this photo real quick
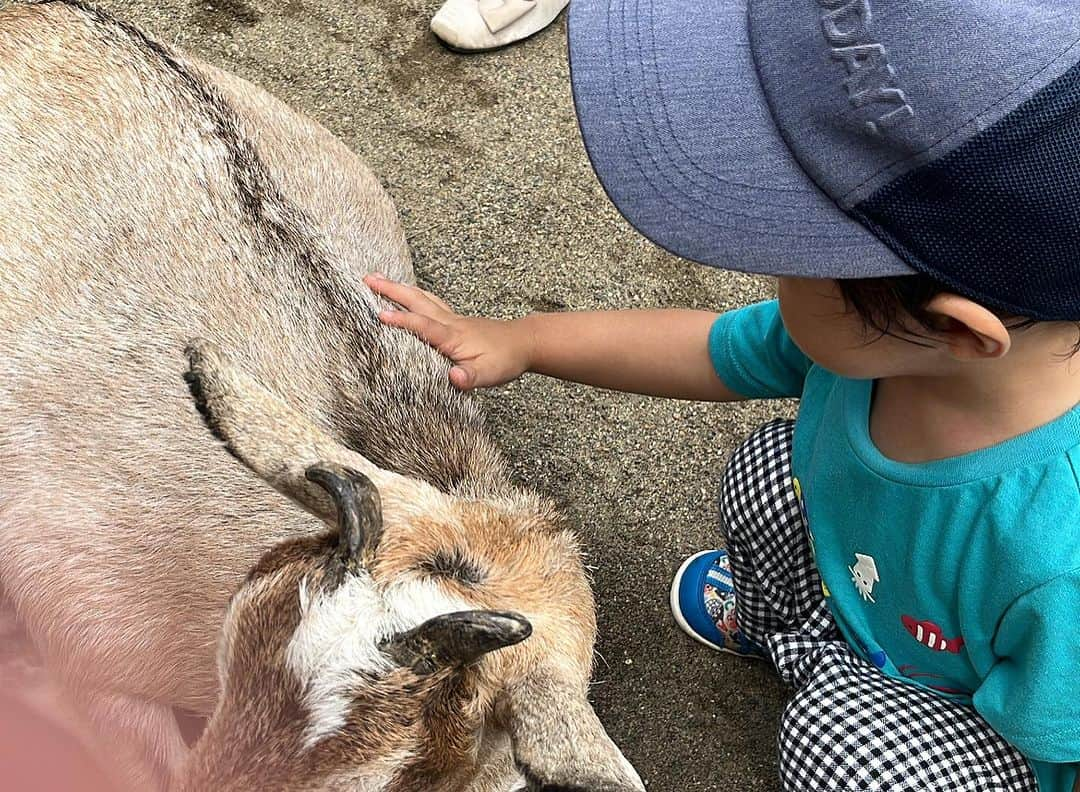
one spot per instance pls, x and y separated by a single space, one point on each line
845 138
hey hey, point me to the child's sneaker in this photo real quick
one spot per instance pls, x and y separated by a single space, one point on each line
703 604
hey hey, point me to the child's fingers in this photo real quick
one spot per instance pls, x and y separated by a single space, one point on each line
435 300
462 377
410 297
401 293
480 372
423 327
439 302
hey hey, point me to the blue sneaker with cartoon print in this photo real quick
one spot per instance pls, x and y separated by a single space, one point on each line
703 604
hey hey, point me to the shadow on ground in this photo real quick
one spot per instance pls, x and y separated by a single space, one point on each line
504 215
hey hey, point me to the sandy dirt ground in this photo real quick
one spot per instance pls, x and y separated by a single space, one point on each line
483 157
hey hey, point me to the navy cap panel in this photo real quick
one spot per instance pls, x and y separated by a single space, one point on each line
863 90
999 217
678 131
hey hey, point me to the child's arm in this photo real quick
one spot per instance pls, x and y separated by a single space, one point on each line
656 353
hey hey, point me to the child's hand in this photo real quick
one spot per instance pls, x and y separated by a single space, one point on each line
485 352
657 353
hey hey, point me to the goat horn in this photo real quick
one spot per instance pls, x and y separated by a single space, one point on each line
358 510
456 639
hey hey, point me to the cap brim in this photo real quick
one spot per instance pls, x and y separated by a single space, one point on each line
677 127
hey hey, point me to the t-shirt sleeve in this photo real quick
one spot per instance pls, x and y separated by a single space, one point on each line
1031 696
754 355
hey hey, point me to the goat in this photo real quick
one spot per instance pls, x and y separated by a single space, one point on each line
437 636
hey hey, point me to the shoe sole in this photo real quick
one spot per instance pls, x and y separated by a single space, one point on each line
673 600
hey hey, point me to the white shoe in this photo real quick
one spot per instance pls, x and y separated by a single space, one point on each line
472 25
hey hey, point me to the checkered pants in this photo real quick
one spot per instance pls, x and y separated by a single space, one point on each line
848 726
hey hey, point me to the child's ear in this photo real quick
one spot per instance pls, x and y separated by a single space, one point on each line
970 331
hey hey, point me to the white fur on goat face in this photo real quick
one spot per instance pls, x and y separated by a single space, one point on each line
340 634
304 660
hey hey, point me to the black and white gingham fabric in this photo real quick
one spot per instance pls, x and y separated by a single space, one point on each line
848 726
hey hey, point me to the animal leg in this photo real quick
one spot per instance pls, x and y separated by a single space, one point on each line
141 738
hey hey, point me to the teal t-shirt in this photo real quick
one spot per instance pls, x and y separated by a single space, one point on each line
960 575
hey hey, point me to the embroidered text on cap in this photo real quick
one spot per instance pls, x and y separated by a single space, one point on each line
871 79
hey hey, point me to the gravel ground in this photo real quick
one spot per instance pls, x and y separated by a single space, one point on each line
483 156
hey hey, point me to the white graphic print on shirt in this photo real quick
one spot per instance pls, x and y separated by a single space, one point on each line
864 575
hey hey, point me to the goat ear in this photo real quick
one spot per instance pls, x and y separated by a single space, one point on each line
274 440
559 743
456 639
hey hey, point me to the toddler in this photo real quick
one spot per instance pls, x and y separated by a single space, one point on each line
907 551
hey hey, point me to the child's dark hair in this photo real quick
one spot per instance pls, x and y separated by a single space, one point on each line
888 305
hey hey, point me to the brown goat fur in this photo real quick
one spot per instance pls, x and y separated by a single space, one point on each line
147 200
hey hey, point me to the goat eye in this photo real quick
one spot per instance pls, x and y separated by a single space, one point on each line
455 565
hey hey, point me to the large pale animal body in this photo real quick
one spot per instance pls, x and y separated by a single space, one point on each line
147 200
